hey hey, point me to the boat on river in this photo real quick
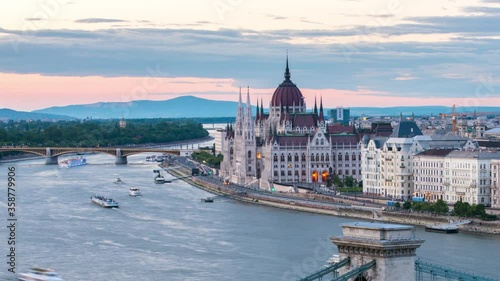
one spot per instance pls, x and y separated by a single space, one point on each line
104 201
73 162
159 179
118 180
40 274
134 191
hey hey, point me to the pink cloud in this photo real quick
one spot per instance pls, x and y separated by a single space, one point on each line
32 91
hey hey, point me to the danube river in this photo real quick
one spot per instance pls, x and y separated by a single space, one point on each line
168 234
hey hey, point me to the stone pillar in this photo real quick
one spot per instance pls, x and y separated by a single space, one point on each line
120 160
392 246
49 159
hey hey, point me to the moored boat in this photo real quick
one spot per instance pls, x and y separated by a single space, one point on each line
73 162
442 228
134 191
40 274
104 201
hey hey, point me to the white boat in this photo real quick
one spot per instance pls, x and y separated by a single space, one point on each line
104 201
73 162
159 179
134 191
118 180
40 274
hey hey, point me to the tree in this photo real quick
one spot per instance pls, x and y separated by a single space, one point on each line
407 205
349 181
337 181
441 207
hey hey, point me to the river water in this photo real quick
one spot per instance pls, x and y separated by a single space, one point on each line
169 234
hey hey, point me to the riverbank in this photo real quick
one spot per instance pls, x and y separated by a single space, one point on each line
318 205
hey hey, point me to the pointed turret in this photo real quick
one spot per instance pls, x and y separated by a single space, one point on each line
240 116
257 113
321 114
315 106
287 70
261 108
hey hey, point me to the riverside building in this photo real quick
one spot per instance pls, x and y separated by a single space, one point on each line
287 145
387 162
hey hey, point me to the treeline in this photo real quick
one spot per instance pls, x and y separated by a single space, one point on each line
207 157
91 133
460 209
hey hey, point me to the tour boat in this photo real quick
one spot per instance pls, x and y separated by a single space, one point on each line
134 191
40 274
104 202
73 162
159 179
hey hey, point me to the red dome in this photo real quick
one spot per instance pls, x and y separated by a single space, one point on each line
287 94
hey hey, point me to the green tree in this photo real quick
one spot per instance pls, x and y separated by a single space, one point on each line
407 205
349 181
441 207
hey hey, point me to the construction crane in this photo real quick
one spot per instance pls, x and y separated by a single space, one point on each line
453 119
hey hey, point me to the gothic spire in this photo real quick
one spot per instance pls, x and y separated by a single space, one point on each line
261 107
287 70
257 113
321 114
315 106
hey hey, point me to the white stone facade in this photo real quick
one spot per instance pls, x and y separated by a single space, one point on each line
495 183
387 163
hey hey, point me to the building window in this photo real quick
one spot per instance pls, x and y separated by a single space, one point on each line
317 156
249 168
346 158
231 151
289 157
289 173
303 157
353 157
296 157
249 154
322 157
327 157
276 157
282 157
340 157
275 173
312 157
283 173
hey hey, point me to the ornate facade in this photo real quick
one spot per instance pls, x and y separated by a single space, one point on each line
287 145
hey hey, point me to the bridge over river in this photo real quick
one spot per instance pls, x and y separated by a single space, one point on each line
51 153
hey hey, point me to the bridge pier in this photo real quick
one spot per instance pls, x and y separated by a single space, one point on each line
378 251
121 160
51 160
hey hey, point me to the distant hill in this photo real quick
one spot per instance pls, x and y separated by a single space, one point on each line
194 107
187 106
9 114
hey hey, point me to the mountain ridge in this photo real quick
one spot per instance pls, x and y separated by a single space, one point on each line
195 107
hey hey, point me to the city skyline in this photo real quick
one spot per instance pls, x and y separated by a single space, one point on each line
351 53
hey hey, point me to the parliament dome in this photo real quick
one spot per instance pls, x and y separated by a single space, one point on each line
287 93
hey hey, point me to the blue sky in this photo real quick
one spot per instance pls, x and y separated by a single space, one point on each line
352 53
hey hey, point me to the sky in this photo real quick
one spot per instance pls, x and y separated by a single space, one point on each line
350 53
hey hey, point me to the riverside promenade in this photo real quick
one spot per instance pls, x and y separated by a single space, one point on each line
316 203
